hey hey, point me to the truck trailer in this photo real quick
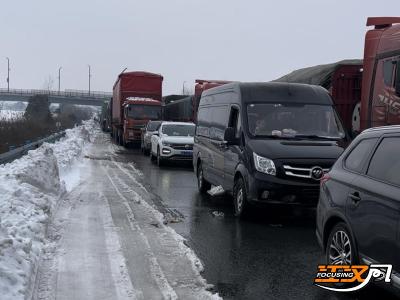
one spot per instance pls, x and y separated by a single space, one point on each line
136 100
343 80
366 92
181 108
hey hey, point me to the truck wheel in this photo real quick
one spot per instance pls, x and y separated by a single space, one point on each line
240 198
202 184
159 159
340 247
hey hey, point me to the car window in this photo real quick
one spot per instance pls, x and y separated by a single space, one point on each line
355 159
385 164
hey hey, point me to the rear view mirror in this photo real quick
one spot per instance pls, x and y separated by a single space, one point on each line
229 135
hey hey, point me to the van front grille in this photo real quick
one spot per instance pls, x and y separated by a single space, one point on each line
305 172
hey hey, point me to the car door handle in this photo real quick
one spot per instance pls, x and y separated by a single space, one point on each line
355 197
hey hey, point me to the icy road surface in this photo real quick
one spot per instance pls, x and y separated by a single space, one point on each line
107 241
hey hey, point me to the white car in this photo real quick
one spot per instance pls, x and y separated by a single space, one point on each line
173 141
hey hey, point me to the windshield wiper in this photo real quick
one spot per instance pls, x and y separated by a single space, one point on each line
318 137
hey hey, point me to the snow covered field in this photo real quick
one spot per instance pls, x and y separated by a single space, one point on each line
76 223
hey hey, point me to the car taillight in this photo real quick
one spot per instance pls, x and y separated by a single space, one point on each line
325 178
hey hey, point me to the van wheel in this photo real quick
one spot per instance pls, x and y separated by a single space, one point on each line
240 198
202 184
340 247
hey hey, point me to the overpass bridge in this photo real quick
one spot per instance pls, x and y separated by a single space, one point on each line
65 97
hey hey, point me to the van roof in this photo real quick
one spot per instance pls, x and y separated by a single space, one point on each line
276 91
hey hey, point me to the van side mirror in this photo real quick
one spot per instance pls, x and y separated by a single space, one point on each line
397 82
230 136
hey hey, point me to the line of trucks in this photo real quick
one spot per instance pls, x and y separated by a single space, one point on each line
366 93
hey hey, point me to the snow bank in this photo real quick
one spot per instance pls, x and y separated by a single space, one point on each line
9 115
30 188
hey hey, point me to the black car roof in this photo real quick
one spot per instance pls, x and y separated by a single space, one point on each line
276 91
377 131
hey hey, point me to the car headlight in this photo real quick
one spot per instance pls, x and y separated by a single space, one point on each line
264 165
166 144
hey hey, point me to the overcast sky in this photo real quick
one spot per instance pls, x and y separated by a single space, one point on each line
252 40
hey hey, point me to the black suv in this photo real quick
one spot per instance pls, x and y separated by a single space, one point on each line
359 207
266 142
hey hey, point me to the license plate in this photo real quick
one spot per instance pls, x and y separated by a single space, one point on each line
187 153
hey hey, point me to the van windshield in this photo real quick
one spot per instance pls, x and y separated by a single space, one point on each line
294 120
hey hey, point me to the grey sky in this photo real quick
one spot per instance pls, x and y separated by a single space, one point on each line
253 40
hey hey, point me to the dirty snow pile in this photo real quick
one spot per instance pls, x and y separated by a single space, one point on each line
9 115
30 188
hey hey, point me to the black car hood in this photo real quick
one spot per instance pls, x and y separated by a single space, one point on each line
286 148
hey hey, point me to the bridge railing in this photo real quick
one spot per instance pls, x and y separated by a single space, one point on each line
66 93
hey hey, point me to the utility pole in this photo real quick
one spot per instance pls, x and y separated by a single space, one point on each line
8 74
183 88
90 75
59 79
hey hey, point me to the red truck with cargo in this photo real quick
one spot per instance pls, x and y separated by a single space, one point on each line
182 108
380 96
136 100
366 92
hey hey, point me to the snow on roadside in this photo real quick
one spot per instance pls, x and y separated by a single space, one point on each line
10 115
30 188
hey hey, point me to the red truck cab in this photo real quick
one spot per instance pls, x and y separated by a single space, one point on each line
136 100
380 96
137 112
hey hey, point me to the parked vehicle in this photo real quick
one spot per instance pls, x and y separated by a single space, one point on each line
366 93
343 80
358 210
136 100
173 142
181 108
266 142
148 131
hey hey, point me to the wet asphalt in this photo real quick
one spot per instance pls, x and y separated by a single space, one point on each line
272 254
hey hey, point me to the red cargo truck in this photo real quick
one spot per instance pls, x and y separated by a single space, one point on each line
380 96
366 93
136 100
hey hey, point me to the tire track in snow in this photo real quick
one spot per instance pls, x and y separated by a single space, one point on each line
156 272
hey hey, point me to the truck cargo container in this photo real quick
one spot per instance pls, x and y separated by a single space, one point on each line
183 108
180 110
343 80
136 100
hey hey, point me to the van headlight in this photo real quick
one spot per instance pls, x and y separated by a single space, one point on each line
264 165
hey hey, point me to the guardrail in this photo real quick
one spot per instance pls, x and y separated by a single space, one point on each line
66 93
21 151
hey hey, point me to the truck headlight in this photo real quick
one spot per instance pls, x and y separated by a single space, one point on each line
264 165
